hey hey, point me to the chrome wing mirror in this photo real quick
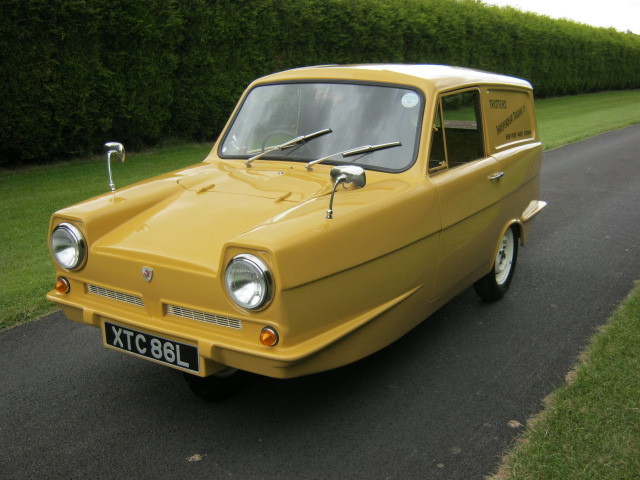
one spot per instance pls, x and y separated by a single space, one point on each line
351 177
113 148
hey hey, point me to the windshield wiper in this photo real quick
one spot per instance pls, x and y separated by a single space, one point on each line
355 151
290 143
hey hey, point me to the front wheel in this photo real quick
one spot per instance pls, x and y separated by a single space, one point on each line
217 387
495 284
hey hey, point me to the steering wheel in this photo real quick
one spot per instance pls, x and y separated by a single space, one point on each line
275 133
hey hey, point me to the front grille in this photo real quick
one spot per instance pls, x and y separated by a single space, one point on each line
203 316
113 295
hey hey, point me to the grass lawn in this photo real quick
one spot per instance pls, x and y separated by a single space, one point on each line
569 119
590 429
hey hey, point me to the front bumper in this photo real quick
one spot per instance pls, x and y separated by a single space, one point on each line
224 342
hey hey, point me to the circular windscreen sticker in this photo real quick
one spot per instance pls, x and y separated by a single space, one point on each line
410 100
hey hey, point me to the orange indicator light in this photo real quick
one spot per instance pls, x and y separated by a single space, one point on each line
62 285
268 337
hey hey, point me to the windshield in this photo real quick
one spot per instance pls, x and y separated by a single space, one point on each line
355 115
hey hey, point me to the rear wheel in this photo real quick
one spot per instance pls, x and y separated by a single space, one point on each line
217 387
495 284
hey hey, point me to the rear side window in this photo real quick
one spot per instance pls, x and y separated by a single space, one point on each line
509 117
457 131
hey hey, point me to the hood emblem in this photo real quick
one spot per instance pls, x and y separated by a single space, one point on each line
147 273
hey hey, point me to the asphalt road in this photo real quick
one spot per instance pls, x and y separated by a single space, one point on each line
444 402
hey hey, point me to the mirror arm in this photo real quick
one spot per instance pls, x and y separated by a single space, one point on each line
339 180
111 148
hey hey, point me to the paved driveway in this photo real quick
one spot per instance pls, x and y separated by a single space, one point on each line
444 402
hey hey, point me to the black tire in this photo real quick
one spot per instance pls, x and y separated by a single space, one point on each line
495 284
218 387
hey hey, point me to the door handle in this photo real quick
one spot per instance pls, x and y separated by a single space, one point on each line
496 176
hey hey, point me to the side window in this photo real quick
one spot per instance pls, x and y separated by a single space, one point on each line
457 131
510 117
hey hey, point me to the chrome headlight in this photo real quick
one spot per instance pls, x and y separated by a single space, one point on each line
248 282
68 246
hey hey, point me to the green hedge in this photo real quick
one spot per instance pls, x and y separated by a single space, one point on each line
76 73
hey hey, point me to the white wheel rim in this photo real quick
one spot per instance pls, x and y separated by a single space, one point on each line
504 259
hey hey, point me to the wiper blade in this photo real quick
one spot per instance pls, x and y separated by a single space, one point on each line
355 151
289 143
370 148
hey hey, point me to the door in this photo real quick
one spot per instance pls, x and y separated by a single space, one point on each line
467 181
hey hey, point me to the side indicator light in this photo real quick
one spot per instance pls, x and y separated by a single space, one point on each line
62 285
268 337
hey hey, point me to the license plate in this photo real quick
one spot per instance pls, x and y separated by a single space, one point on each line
153 347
